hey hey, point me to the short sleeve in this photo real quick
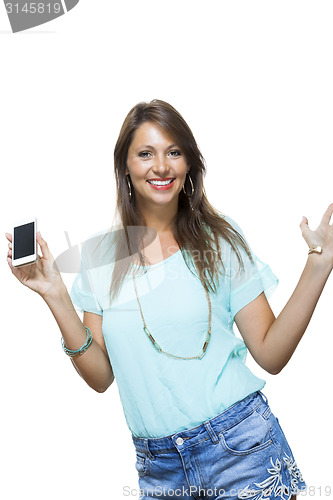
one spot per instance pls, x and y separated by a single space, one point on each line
82 292
246 285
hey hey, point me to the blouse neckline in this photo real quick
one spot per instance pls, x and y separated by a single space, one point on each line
161 262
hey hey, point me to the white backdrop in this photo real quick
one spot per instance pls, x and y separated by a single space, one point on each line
254 81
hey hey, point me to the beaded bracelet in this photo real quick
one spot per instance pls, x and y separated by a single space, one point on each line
74 353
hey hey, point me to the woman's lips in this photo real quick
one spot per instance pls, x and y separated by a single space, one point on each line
161 187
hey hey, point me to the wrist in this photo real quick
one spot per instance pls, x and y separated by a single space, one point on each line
320 262
55 293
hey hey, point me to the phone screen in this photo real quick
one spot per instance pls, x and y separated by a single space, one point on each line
24 240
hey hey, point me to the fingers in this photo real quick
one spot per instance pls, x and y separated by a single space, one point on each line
325 219
304 224
43 245
306 231
9 238
9 260
327 215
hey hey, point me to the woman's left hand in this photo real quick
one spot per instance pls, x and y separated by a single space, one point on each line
322 236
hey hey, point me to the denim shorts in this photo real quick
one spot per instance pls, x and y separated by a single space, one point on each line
242 453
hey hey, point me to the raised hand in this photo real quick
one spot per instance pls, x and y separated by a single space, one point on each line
322 236
42 276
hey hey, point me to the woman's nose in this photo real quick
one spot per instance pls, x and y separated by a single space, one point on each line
161 164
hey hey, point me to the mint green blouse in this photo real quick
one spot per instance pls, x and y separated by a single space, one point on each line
161 395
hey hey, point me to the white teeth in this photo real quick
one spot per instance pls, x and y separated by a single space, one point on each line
161 183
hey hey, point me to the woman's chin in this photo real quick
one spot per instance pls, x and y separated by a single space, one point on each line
159 201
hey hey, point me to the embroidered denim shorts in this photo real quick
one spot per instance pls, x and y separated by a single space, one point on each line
240 454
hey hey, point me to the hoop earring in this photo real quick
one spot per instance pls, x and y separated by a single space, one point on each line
189 195
129 186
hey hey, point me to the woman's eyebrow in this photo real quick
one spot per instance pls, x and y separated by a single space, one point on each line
148 146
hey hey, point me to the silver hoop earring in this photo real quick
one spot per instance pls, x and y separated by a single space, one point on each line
129 187
192 187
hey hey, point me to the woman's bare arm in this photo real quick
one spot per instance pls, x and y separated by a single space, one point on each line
44 278
272 341
94 365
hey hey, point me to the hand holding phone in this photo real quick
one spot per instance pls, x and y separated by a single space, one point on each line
34 271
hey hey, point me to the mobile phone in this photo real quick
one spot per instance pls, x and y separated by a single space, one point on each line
24 244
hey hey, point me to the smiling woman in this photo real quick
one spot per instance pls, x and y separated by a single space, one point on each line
155 146
155 162
199 421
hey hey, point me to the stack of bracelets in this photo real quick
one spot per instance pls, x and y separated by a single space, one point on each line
83 348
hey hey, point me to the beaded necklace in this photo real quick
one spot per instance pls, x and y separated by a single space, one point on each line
159 348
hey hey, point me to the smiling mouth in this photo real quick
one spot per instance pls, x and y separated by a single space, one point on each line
165 182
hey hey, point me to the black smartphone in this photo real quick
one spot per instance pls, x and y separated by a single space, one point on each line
24 244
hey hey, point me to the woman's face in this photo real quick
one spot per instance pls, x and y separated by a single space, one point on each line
156 165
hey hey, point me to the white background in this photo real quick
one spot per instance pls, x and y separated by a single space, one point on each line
254 81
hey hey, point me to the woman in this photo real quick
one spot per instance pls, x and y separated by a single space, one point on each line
168 294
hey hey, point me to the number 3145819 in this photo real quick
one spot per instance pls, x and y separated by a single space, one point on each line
33 8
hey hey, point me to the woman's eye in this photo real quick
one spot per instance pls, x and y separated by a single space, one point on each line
175 152
144 154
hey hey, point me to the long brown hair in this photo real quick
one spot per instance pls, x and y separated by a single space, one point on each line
198 225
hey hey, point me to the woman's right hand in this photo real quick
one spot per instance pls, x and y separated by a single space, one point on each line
42 276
